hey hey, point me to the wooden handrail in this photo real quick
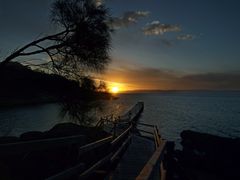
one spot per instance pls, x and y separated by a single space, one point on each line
122 135
33 145
147 132
144 124
155 140
157 156
158 141
77 169
110 157
123 146
125 117
98 164
94 145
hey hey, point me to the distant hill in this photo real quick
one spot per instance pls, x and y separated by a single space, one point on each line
21 85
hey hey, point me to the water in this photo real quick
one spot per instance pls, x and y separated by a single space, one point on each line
210 112
15 121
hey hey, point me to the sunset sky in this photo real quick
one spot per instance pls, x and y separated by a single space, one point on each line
157 44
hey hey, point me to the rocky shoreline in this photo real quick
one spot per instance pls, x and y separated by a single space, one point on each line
203 156
209 157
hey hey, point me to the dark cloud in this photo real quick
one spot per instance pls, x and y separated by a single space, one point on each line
186 37
129 18
154 78
165 42
214 80
157 28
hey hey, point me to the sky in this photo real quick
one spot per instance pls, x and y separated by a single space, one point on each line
156 45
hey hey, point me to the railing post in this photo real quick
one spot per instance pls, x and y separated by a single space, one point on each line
129 116
114 129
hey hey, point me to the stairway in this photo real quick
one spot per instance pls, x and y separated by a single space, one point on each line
134 159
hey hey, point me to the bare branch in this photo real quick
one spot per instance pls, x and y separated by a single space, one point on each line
33 43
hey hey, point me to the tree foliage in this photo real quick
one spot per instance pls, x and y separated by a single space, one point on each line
82 43
102 87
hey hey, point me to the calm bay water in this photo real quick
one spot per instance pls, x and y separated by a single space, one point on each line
211 112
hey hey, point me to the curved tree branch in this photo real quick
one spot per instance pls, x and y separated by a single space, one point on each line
20 51
84 43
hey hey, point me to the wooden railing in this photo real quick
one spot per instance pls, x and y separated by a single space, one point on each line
113 154
36 145
94 145
115 149
125 118
156 158
115 146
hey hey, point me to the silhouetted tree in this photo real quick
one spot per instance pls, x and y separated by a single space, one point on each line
88 84
82 44
102 87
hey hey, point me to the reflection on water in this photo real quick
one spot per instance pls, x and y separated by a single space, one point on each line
17 120
213 112
83 113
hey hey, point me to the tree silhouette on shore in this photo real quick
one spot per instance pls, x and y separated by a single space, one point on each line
82 43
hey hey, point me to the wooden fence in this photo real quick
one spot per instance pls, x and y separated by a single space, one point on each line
156 160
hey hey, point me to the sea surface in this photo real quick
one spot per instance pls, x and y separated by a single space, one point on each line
215 112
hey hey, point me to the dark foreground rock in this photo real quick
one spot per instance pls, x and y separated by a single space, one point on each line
206 156
44 163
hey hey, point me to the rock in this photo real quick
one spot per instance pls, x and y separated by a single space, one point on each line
8 139
32 135
211 153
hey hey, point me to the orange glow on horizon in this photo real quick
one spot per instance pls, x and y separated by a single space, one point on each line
115 89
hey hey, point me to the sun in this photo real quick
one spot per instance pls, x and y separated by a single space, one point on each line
115 89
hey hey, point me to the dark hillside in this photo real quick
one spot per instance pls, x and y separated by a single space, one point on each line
21 85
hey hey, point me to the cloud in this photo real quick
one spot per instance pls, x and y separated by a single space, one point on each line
128 18
186 37
222 81
139 77
166 42
98 2
157 28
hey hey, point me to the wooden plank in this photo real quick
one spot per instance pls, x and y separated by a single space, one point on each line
121 136
68 173
92 169
146 172
94 145
123 146
156 136
144 124
155 140
148 132
134 159
99 123
163 172
35 145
